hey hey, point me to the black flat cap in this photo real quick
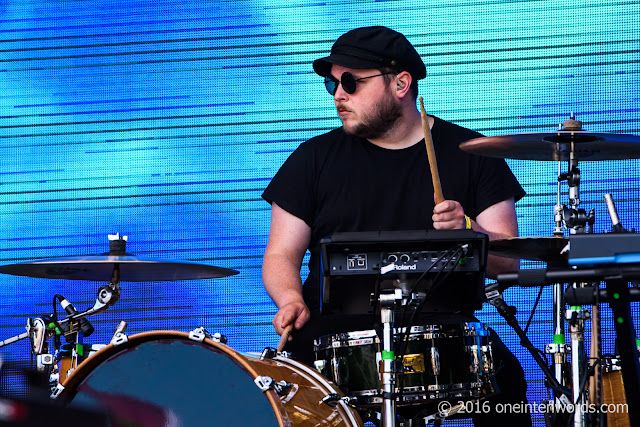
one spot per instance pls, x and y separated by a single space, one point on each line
373 47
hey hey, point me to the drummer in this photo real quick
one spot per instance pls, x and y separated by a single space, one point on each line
373 174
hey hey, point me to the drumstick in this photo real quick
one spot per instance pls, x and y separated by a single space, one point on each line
431 154
284 338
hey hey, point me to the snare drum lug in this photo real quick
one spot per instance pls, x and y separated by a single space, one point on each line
475 362
56 392
119 338
435 361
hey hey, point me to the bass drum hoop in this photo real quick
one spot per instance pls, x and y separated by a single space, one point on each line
327 387
247 363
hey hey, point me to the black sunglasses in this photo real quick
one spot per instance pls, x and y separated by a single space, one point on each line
347 80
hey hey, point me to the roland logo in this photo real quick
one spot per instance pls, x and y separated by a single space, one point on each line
405 267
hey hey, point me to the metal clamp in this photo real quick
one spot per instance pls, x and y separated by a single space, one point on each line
56 392
44 360
557 348
119 338
199 334
219 338
268 353
265 383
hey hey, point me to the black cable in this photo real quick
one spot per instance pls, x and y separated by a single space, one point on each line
404 342
404 337
376 288
533 310
57 343
599 385
415 287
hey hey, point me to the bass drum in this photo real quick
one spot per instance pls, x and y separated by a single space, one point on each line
166 378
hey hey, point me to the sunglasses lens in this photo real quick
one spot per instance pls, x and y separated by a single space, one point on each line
348 83
331 84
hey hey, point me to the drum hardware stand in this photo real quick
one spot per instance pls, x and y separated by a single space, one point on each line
388 303
618 295
577 221
558 348
38 332
576 317
494 297
618 289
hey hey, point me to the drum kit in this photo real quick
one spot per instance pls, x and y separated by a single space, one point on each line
172 378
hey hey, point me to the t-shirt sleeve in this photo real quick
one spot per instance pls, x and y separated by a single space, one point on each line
494 183
292 188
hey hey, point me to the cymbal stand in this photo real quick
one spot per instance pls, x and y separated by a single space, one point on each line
577 221
566 216
387 366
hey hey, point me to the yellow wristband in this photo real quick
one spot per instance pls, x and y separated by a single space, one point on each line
467 223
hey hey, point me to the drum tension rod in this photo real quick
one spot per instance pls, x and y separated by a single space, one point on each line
332 400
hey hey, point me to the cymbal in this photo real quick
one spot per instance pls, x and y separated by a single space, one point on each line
101 267
546 249
556 146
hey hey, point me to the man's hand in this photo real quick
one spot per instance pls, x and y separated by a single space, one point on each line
295 313
448 215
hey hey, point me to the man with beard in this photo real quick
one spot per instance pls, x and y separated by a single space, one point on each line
372 174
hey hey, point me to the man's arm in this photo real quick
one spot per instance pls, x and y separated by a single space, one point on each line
498 221
289 238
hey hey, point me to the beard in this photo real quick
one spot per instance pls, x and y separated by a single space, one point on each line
379 122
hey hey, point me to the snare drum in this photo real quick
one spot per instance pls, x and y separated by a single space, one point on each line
440 362
171 378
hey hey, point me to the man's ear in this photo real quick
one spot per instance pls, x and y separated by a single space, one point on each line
403 82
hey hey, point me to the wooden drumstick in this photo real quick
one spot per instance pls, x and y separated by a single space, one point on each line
431 154
284 337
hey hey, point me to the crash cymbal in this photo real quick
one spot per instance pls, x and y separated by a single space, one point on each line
556 146
101 267
546 249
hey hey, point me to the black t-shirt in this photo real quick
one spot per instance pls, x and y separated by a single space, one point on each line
336 182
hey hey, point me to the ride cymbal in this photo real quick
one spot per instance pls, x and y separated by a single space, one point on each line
556 146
